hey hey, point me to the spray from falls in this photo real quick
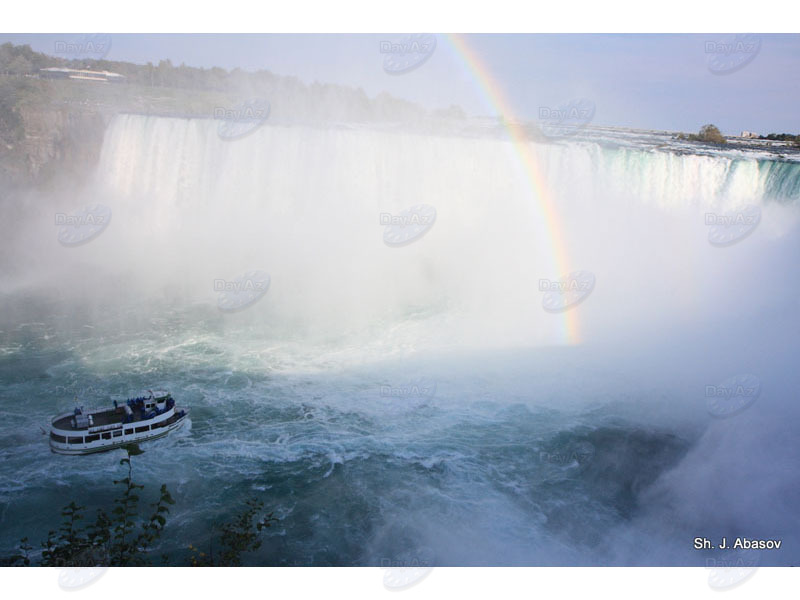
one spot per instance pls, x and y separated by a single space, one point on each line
378 316
193 211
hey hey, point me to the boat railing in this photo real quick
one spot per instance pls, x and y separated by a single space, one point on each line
102 428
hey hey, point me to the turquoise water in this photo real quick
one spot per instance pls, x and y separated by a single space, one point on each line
414 406
527 456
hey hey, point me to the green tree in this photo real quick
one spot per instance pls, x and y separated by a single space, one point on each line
118 539
122 538
237 536
708 133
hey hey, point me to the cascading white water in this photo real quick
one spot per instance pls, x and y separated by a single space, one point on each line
515 451
305 204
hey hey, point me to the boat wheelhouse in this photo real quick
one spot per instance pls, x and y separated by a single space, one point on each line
136 420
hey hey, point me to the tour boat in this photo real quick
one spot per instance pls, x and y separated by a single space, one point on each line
96 430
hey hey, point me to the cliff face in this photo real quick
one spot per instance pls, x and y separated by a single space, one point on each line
49 143
46 152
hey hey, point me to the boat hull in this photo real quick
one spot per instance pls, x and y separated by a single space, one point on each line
104 445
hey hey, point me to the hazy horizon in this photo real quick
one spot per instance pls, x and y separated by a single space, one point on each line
669 85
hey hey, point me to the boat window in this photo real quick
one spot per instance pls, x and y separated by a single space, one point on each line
143 429
118 433
58 438
92 438
107 436
75 440
128 431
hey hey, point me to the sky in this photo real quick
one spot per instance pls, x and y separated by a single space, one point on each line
658 81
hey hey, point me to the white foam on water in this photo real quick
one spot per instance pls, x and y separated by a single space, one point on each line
288 393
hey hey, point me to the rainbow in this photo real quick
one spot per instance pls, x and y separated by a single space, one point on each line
495 99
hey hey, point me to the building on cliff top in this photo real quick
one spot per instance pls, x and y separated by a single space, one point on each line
81 74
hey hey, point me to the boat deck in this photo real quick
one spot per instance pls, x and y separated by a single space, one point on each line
100 419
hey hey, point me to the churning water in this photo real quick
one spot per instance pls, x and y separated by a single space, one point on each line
356 318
